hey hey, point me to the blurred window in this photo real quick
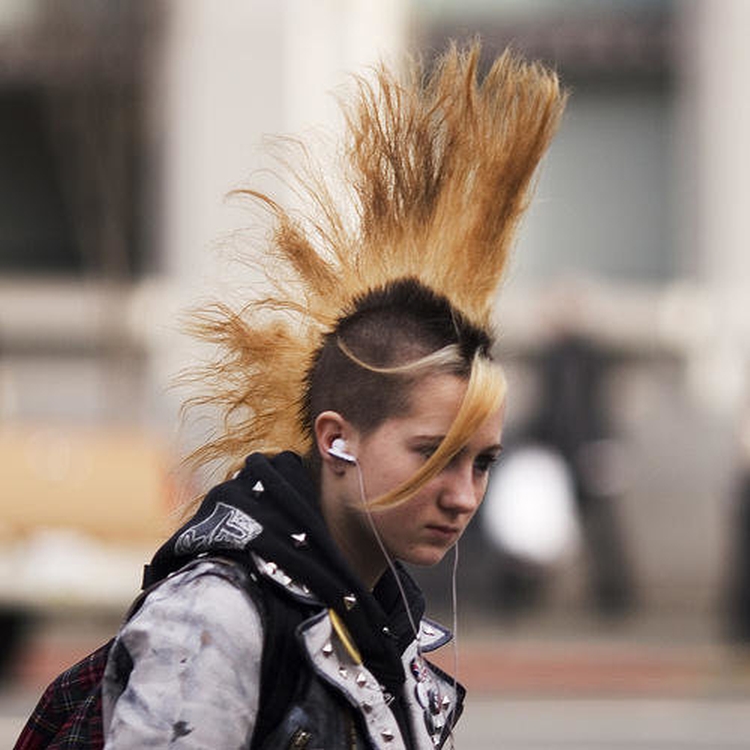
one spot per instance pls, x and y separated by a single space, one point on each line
72 139
605 203
35 229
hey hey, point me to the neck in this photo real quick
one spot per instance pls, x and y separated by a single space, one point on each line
350 530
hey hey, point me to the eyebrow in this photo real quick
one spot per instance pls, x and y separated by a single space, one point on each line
494 448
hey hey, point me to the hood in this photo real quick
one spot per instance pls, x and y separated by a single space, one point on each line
271 508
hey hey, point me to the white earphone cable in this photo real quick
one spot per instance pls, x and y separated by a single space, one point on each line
454 606
389 561
415 630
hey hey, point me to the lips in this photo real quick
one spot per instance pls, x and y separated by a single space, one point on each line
444 530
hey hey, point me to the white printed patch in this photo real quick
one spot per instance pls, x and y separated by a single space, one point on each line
226 527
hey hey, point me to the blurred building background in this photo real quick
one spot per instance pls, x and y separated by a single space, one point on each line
624 324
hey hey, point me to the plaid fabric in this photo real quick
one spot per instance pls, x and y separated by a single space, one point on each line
69 713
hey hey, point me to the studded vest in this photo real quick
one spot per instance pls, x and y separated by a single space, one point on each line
356 678
339 704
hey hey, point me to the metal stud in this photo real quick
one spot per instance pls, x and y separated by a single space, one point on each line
445 703
350 601
361 679
285 579
387 735
343 672
271 568
418 670
435 705
366 707
258 486
300 540
327 649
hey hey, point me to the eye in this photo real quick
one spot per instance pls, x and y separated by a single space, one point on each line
426 450
485 461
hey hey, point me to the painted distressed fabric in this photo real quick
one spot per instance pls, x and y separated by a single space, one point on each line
172 679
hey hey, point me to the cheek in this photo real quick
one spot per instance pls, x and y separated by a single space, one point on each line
400 519
388 469
482 489
420 504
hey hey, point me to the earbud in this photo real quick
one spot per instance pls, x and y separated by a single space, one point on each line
338 450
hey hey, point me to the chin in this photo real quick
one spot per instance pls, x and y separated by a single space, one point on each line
425 558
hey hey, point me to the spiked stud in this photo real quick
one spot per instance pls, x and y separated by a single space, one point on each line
300 540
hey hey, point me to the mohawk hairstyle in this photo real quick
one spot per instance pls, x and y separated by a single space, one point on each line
435 174
390 330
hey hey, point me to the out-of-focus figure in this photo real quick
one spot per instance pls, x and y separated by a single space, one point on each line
739 574
566 465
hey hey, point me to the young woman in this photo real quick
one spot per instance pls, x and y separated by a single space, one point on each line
365 391
320 533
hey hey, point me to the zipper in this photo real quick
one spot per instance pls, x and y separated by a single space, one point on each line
299 740
352 732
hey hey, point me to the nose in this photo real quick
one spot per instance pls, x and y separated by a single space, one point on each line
459 490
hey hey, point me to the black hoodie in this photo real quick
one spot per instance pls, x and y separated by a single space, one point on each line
271 508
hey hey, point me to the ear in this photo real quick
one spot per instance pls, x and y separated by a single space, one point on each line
329 426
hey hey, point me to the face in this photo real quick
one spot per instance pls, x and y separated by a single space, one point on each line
421 529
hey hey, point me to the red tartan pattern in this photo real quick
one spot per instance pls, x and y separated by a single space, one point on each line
69 713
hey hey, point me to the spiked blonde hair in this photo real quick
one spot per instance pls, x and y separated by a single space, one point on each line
436 173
